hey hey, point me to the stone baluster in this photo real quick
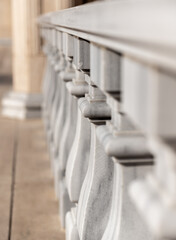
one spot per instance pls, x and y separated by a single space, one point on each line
92 212
76 165
77 88
51 78
59 69
154 196
65 77
69 128
54 58
64 111
47 51
61 120
47 84
45 90
128 149
56 117
125 145
52 90
67 140
89 214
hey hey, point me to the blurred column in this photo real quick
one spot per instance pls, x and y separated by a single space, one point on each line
28 62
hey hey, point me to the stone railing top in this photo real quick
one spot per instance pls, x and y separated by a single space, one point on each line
137 28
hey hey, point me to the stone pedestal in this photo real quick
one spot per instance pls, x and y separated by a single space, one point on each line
21 105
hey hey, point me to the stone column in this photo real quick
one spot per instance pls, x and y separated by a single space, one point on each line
28 61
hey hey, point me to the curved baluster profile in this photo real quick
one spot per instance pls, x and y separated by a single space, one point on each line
132 159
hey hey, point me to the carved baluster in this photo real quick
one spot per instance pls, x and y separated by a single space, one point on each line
76 165
47 92
64 77
57 103
125 145
62 119
77 88
61 124
67 140
76 171
156 193
56 117
46 83
131 157
52 82
68 132
46 50
93 205
78 158
58 67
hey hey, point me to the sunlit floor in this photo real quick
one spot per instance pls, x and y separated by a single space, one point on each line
28 207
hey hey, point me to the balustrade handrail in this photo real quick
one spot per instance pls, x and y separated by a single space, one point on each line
136 28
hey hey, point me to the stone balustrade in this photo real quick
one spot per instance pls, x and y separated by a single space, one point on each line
108 105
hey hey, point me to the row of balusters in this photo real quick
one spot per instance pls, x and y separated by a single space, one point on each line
96 151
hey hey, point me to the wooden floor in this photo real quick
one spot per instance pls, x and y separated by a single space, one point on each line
28 207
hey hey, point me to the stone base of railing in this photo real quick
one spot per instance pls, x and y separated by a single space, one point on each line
21 105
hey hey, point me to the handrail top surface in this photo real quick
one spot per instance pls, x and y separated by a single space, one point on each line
147 24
